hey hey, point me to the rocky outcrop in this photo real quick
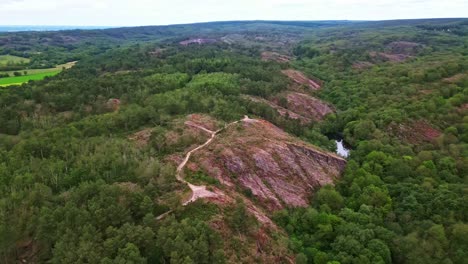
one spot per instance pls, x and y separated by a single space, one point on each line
199 41
414 133
276 168
308 106
404 47
299 78
397 51
141 138
281 110
299 106
361 65
274 56
383 56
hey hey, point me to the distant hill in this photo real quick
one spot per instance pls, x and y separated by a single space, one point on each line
45 28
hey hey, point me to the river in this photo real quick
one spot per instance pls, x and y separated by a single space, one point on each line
341 149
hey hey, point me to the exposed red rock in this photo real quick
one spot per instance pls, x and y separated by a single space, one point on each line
457 77
308 106
278 169
426 92
281 110
274 56
299 78
404 47
415 133
141 137
302 107
360 65
389 57
397 51
113 104
199 41
204 121
27 251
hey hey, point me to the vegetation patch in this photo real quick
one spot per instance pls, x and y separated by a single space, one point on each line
23 76
10 60
17 80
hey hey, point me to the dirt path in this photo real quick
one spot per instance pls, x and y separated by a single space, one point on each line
199 191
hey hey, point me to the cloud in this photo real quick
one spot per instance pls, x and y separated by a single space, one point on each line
151 12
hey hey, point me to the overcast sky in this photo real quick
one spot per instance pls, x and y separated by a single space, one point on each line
163 12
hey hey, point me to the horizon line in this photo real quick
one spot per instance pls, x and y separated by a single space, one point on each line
227 21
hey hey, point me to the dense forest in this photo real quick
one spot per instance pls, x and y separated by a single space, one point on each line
75 187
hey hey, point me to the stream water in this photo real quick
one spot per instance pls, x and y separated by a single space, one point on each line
341 149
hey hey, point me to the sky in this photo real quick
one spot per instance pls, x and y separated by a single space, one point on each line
164 12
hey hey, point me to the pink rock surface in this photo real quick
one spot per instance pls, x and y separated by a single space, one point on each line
278 169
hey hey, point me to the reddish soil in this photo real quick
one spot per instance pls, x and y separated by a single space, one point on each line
456 78
113 104
389 56
426 92
308 106
404 47
361 65
199 41
260 246
141 137
274 56
281 110
299 78
27 251
415 133
203 121
278 169
463 108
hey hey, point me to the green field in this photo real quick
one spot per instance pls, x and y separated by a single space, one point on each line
33 74
12 60
23 79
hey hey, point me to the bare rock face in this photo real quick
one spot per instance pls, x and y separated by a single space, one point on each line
382 56
274 56
281 110
141 138
199 41
302 107
300 78
113 104
308 106
404 47
276 168
415 133
361 65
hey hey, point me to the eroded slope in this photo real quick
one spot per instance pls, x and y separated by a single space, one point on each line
276 168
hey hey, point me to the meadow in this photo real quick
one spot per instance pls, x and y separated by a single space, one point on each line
33 74
17 80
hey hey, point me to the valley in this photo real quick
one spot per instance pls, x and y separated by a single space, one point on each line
236 142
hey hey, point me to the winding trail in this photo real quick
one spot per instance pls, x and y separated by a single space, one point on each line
199 191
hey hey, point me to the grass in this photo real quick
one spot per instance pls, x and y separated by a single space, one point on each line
33 75
23 79
13 60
